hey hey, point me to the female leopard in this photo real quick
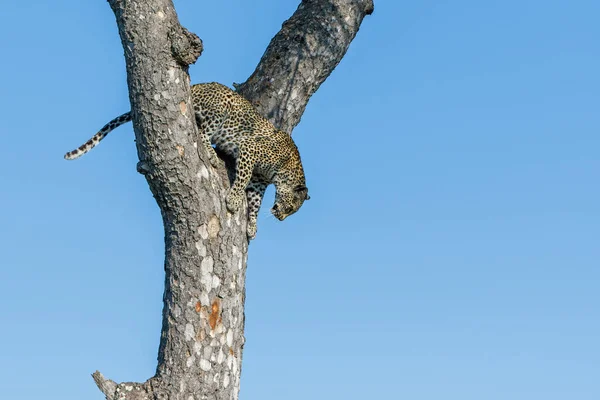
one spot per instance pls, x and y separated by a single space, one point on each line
263 154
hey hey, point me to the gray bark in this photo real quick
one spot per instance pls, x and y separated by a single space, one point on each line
301 56
205 246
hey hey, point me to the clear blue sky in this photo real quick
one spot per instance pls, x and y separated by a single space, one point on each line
450 249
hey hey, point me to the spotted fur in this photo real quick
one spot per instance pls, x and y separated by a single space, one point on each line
263 154
90 144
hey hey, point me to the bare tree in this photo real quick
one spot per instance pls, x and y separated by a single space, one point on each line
202 335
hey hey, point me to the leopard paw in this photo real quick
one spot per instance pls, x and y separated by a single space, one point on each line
233 202
251 230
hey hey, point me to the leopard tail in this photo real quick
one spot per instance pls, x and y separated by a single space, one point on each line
90 144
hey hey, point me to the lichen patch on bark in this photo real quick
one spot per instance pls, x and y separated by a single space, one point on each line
214 225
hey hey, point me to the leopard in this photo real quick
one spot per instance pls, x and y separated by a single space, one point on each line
263 154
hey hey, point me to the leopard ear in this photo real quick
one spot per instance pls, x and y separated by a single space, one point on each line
302 188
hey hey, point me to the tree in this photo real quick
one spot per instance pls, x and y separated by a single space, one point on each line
205 246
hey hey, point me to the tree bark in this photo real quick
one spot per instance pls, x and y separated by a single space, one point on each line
301 56
205 246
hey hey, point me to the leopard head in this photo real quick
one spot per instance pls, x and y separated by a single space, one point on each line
291 190
288 200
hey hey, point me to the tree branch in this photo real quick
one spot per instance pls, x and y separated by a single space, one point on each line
301 56
106 386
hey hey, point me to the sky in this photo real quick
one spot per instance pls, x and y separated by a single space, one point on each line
450 249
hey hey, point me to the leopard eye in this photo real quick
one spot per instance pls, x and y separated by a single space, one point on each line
300 188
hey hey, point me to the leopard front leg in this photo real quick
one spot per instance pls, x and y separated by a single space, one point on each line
212 154
244 167
254 194
206 131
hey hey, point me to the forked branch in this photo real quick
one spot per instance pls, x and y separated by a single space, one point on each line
205 246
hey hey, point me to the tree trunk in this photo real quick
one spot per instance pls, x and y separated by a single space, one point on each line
205 246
